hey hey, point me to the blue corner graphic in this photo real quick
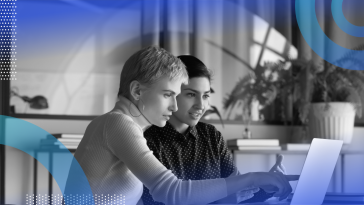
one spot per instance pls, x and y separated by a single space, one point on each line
314 35
26 136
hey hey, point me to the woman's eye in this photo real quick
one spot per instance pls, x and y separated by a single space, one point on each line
206 96
167 95
191 94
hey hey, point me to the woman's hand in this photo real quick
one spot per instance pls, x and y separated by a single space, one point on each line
246 193
273 182
268 181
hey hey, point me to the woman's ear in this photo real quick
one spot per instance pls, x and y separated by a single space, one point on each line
135 88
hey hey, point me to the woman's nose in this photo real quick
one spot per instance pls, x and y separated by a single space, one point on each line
173 107
200 104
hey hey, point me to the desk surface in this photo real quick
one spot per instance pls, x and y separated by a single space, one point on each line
274 200
287 203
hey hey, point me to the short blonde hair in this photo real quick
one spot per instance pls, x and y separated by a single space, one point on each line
148 65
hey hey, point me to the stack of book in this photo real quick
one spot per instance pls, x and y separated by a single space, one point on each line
253 144
296 147
65 141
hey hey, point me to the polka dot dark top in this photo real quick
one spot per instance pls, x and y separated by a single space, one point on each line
200 153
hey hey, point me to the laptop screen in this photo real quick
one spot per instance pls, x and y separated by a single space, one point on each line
317 171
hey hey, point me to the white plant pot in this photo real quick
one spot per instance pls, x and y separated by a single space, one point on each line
333 122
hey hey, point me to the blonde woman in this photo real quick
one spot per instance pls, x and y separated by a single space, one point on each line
114 154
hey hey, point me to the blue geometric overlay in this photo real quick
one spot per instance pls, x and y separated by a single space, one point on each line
26 136
313 34
342 22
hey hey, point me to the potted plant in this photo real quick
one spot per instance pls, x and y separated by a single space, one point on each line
328 97
259 89
263 85
317 92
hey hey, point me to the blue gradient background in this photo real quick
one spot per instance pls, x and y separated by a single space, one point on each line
67 23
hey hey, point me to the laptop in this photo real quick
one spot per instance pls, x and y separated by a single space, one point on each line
316 173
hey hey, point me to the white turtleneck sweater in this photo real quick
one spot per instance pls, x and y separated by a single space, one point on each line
116 160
